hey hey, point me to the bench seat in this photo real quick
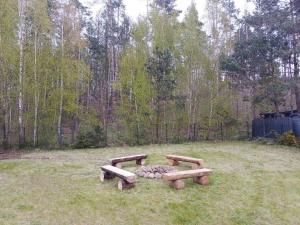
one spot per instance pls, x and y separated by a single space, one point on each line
175 159
127 179
140 160
199 176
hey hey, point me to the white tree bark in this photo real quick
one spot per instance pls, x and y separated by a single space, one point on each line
59 122
21 5
36 92
210 112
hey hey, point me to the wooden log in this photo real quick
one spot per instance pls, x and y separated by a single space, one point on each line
141 162
186 174
172 162
118 165
196 166
106 176
102 176
204 180
196 161
127 158
177 184
123 184
123 174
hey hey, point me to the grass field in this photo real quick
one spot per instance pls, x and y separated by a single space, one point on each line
251 184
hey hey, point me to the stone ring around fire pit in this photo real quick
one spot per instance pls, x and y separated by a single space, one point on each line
154 172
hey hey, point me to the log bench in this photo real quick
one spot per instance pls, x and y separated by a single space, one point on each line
175 179
140 160
175 159
127 179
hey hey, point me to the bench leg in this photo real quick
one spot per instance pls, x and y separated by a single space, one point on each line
173 162
123 184
201 180
196 166
141 162
177 184
118 165
106 176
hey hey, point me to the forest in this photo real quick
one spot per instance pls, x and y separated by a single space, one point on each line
71 79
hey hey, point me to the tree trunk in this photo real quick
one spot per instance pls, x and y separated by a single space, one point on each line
276 105
6 125
21 73
248 129
137 122
297 96
36 93
5 99
189 109
75 120
296 77
59 122
157 121
253 106
295 56
210 114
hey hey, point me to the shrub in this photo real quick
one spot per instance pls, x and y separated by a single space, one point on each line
93 137
288 139
266 141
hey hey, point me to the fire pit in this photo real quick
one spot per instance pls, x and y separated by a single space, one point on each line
154 172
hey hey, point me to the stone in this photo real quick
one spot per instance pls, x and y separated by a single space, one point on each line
158 176
153 172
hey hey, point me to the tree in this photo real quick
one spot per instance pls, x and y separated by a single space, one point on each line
21 33
168 6
108 36
161 70
40 26
195 63
8 58
135 87
261 43
271 92
221 19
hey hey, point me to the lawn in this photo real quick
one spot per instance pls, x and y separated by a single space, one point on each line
251 184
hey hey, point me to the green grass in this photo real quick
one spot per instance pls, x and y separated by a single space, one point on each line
252 184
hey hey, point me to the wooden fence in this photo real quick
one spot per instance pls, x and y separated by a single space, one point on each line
270 127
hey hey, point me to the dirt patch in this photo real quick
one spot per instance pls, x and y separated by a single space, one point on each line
4 155
15 154
37 157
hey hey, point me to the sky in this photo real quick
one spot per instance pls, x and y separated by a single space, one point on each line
134 8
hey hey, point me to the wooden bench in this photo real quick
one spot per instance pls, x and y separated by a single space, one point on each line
175 179
140 160
175 159
127 179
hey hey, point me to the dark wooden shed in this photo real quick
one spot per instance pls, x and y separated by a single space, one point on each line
271 124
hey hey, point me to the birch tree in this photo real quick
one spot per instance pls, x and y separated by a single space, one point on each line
8 56
21 37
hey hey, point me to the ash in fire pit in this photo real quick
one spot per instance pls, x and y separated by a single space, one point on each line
153 172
